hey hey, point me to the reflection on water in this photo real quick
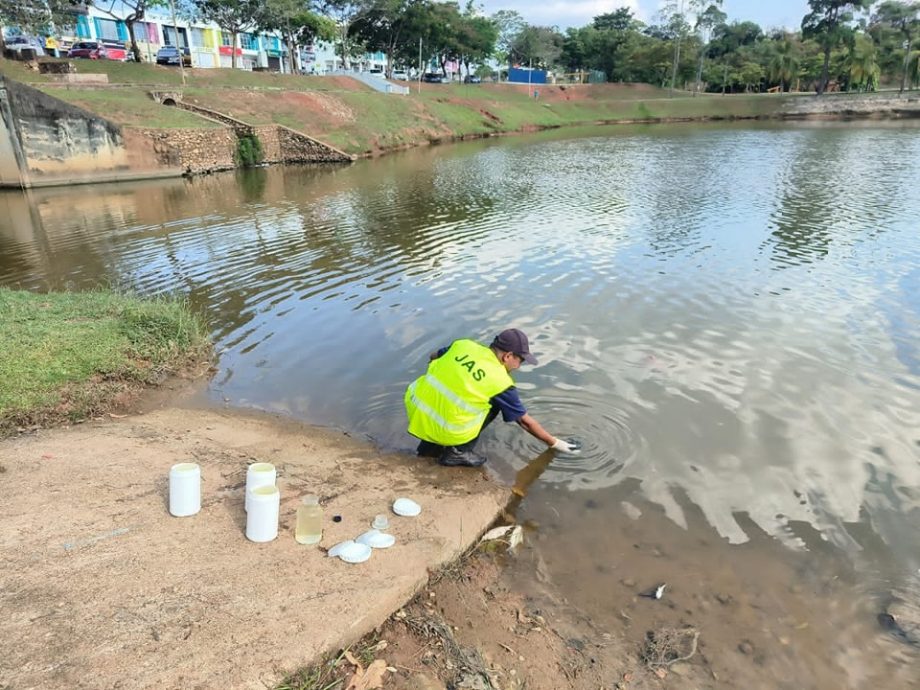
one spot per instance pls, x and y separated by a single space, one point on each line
728 317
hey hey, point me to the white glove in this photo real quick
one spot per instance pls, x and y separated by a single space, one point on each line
564 446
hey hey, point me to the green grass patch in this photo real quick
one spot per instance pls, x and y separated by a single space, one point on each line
68 356
131 107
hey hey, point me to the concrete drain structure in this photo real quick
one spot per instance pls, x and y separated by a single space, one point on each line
204 150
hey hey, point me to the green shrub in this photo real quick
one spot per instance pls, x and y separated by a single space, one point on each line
248 151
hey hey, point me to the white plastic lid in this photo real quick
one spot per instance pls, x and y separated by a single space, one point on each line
406 507
355 553
376 539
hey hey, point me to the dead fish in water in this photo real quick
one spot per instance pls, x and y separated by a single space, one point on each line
655 592
890 624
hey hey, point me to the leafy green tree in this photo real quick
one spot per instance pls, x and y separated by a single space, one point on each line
752 75
578 47
537 45
37 17
439 26
509 24
345 14
729 38
829 23
904 17
388 25
651 61
709 15
476 38
297 24
232 16
621 19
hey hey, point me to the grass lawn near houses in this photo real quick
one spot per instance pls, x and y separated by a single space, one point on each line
358 120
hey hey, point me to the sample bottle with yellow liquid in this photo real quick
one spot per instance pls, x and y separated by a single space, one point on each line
309 529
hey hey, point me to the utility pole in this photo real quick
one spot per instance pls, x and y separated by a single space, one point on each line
530 79
172 8
419 64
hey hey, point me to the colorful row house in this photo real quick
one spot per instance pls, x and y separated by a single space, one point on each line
208 46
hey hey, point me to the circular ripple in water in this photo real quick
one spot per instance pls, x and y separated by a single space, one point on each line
609 443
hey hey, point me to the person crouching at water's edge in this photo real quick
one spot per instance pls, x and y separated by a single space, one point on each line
466 386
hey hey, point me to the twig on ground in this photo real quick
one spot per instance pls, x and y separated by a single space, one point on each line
664 646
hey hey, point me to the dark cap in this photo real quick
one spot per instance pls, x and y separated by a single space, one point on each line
513 340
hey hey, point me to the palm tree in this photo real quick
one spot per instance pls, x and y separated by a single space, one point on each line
784 65
863 64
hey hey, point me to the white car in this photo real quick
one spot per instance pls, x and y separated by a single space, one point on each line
400 75
18 43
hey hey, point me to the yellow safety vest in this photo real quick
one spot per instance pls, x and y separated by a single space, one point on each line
448 405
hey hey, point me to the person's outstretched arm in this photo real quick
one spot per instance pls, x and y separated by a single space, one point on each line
535 429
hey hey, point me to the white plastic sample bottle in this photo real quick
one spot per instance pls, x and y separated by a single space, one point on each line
262 518
184 489
309 528
258 474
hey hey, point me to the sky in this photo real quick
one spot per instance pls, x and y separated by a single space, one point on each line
566 13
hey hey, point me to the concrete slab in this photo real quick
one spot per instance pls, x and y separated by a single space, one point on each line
102 588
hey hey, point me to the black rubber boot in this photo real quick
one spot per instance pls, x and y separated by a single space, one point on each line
427 449
452 457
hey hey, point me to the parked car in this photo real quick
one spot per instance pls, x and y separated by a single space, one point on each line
98 50
434 78
400 75
19 43
170 55
472 79
375 71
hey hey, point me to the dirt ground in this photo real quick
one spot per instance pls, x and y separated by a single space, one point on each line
472 629
102 588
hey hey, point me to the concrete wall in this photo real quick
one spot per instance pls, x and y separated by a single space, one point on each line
10 175
63 144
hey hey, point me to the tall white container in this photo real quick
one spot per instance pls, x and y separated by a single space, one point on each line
184 489
262 518
259 474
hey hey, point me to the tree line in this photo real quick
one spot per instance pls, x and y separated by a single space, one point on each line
690 45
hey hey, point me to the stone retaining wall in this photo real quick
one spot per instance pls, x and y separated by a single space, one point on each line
856 105
302 149
272 151
194 150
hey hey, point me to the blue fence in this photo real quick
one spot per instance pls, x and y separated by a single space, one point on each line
527 76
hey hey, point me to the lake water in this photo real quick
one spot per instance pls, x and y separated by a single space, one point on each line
728 317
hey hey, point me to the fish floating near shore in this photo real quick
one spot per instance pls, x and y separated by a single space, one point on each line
655 592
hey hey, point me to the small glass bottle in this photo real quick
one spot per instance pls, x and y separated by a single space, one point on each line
309 529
